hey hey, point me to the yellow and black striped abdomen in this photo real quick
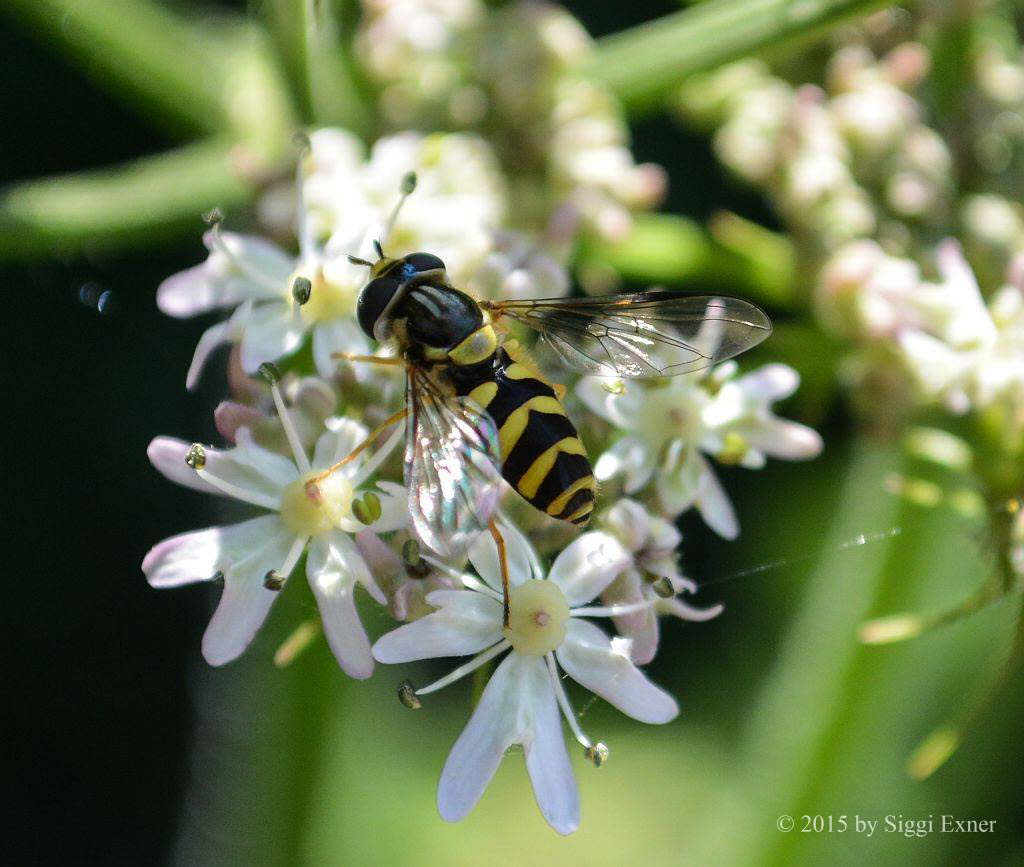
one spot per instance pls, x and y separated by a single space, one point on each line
542 456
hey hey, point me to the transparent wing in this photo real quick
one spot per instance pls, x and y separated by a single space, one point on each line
452 467
646 334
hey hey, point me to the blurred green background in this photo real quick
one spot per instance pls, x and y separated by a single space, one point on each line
129 749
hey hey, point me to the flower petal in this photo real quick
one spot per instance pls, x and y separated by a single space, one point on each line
604 667
249 551
630 457
340 335
217 282
333 567
465 623
641 626
184 559
271 332
519 555
342 436
246 466
588 565
517 706
714 506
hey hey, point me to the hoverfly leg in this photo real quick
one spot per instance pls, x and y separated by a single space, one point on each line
369 359
499 540
352 455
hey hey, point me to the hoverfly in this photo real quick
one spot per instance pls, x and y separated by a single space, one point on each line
476 407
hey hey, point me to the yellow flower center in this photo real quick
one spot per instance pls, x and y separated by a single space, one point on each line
311 506
326 300
538 611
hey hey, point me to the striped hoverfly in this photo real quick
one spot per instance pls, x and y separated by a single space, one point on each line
478 410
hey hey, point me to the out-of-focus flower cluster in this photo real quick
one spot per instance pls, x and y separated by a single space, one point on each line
539 157
515 75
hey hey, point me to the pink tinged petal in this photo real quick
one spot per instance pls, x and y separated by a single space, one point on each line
466 622
483 555
340 335
271 332
678 608
517 706
333 567
640 627
229 416
249 551
184 559
604 667
246 466
588 565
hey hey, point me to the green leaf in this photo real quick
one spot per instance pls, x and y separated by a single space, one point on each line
642 65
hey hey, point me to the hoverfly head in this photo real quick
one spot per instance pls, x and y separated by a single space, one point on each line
387 277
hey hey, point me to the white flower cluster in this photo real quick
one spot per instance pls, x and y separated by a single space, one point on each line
312 452
959 351
851 161
562 138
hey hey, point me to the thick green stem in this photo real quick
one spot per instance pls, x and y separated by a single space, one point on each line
134 202
642 65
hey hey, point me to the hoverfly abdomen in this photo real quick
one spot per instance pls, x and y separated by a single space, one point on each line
542 455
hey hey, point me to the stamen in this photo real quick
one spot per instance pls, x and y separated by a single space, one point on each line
301 461
663 587
301 218
407 695
367 510
302 289
275 579
563 703
598 754
196 458
466 668
470 582
611 610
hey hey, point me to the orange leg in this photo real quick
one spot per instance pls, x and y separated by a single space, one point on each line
369 359
376 432
499 540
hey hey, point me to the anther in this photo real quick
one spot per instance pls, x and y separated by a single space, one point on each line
411 553
596 753
274 580
196 457
368 509
302 288
663 587
213 217
301 141
407 695
269 372
408 183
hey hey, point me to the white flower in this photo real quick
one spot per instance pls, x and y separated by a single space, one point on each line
518 267
344 205
308 511
521 702
653 577
258 280
671 425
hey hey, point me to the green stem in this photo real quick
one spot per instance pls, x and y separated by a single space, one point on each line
134 202
173 68
642 65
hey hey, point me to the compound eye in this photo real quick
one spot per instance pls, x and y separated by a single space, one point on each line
424 262
373 299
